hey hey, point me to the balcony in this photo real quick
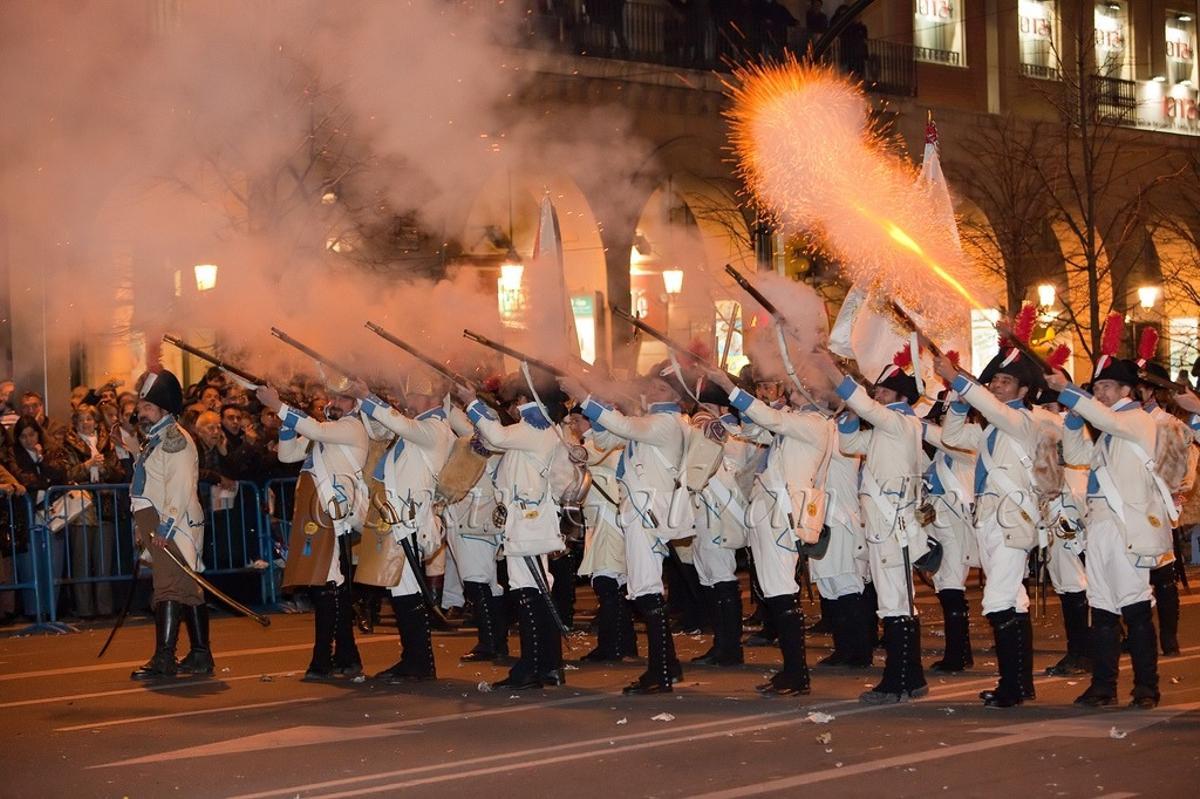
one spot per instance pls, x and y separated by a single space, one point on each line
946 57
651 33
1115 100
1040 72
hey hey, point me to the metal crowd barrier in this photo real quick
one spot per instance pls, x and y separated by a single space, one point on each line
22 553
81 539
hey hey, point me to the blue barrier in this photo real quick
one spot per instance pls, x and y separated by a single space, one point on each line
20 563
84 538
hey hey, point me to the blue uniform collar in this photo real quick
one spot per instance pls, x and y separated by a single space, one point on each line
532 414
1127 404
1019 404
433 413
161 425
902 408
665 407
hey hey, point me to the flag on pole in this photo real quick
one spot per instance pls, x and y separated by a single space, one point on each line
551 274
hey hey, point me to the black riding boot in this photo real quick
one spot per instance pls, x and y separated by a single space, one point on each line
166 636
1105 638
861 621
660 648
834 613
416 663
1166 599
608 619
562 569
903 676
627 634
324 602
1010 654
1143 651
346 660
957 624
727 626
550 648
523 674
199 659
491 641
1028 690
1075 621
824 625
793 678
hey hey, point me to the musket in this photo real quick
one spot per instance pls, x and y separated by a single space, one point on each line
441 369
670 343
517 354
780 323
922 339
215 361
316 356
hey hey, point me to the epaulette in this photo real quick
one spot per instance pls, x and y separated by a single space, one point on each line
173 439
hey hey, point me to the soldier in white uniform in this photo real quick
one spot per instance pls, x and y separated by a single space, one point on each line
1128 525
797 463
523 484
893 464
409 473
653 511
1066 536
331 503
604 546
1007 506
167 515
948 479
1163 577
720 513
474 542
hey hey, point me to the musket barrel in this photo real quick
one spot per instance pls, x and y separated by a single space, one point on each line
512 353
420 356
212 359
311 353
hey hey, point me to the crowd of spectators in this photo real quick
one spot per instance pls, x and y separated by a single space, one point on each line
90 533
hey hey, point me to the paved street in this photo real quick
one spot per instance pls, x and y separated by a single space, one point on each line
76 726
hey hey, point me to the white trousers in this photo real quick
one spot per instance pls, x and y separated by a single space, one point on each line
408 584
1066 570
452 586
952 532
475 560
775 557
643 559
840 572
714 563
519 575
1113 581
1004 568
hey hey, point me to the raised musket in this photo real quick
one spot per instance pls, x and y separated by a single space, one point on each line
215 361
443 370
344 376
504 349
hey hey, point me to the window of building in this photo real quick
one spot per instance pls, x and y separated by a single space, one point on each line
1183 333
984 341
938 31
1181 48
1112 38
1037 32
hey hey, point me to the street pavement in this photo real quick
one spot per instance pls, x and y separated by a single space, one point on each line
75 726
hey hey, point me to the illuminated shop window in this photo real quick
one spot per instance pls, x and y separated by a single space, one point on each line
1181 48
938 31
1112 38
1037 31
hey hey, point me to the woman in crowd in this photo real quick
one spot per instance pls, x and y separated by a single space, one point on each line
36 463
90 456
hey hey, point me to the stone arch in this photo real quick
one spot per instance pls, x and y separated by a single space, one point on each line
1179 266
695 225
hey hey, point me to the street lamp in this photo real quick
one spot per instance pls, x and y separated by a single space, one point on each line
673 283
509 288
206 276
1046 295
1147 296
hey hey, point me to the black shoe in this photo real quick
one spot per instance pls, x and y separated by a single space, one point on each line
1143 702
998 699
477 655
1093 698
1069 666
642 686
511 683
598 655
759 639
162 665
553 678
319 675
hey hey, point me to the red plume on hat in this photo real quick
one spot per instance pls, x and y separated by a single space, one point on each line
903 358
1023 325
953 357
1058 357
1147 345
1114 329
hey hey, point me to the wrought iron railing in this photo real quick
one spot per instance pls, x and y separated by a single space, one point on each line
934 56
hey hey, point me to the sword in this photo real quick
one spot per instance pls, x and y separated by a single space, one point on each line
133 578
896 521
535 568
212 589
418 570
